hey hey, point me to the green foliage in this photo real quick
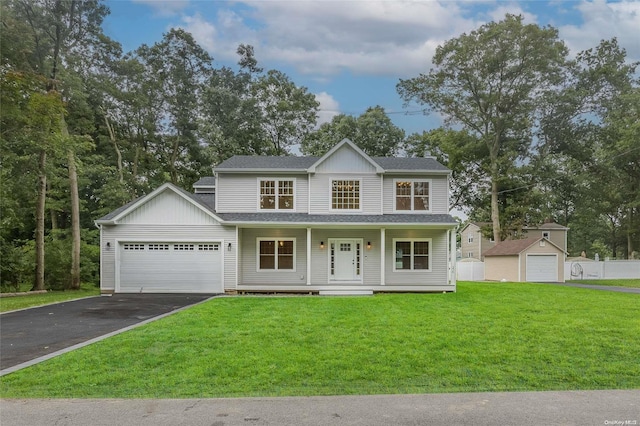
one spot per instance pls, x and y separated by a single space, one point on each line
372 131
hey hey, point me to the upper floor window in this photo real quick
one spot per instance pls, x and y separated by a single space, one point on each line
276 194
546 234
412 195
470 238
345 195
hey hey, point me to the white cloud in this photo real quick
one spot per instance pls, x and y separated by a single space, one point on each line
203 32
329 107
165 7
602 20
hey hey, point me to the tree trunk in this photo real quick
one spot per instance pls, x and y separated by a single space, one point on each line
75 209
75 221
116 147
495 208
52 212
40 213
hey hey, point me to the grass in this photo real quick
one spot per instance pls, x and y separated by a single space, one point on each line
631 283
485 337
30 300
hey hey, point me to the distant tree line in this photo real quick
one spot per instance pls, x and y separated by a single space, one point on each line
86 127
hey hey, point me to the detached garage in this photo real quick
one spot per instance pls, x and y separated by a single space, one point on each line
169 241
528 260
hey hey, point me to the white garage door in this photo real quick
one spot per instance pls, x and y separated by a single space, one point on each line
542 268
169 267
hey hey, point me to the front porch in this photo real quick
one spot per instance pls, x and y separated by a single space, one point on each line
345 260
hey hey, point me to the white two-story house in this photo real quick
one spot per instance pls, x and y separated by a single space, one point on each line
343 223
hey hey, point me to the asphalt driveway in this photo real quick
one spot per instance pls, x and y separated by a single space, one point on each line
33 333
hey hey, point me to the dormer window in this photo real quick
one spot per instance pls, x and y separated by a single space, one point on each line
276 194
412 195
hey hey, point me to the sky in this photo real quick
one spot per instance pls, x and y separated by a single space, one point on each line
351 54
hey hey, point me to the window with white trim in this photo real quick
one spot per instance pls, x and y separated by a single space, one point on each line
345 194
276 194
412 254
276 254
470 238
412 195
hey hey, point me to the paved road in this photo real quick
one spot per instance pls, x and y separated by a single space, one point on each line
616 407
33 333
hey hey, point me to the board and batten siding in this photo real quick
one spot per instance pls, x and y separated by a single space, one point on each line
438 192
437 276
345 160
249 274
320 197
167 208
165 233
240 193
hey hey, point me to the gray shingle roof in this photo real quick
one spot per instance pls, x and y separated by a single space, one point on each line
304 218
205 181
409 163
266 162
248 162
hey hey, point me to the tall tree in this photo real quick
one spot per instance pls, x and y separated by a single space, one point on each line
288 112
178 69
490 82
373 131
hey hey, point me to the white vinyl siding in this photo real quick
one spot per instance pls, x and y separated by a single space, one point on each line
238 193
412 195
276 194
438 193
435 276
250 273
321 197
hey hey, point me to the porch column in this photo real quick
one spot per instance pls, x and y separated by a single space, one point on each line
452 256
382 251
308 256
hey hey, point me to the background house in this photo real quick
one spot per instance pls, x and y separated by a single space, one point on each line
474 243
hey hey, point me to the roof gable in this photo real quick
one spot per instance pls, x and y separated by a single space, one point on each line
163 197
343 157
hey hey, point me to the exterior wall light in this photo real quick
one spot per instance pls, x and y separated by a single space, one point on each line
368 245
108 245
321 244
229 247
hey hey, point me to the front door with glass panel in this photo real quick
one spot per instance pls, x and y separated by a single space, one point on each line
345 260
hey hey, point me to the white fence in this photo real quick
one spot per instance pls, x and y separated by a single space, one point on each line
576 270
470 271
609 269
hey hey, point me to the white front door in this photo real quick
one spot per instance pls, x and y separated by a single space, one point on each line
345 260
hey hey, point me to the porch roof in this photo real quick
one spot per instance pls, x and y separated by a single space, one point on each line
334 219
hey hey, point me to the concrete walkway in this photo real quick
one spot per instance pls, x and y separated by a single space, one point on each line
584 408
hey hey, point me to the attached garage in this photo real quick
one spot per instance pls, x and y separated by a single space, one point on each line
170 267
531 260
169 241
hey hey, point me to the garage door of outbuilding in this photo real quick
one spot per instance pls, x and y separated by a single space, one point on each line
542 267
170 267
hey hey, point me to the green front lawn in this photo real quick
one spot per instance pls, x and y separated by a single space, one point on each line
632 283
27 301
485 337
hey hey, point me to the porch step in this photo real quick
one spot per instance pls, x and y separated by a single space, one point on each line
345 292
